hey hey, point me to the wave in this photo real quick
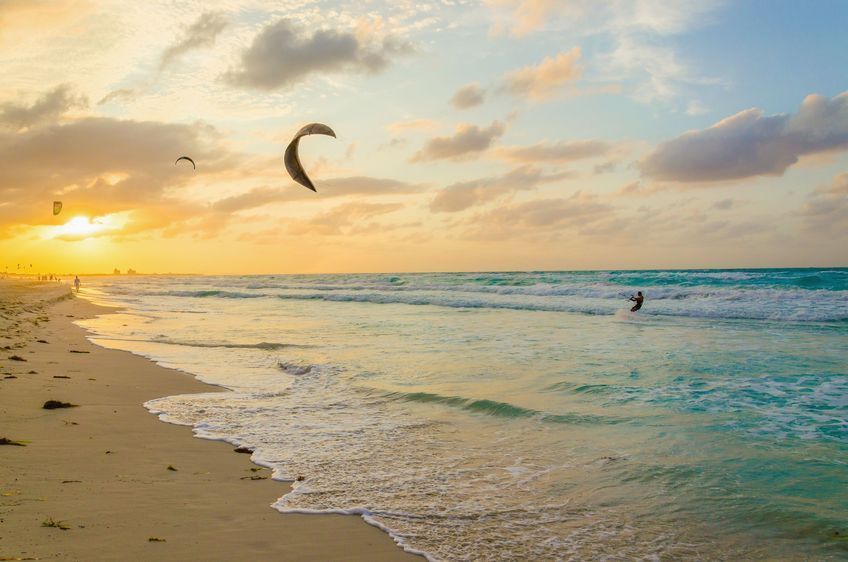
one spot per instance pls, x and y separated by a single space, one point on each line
212 293
780 295
198 294
269 346
295 368
730 307
501 409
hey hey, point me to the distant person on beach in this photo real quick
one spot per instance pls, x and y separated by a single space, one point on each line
77 283
638 299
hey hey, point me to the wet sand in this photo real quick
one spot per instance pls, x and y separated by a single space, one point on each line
100 471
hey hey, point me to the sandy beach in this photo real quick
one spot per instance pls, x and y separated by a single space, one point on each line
106 480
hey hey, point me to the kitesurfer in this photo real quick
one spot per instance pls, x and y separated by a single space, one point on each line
638 299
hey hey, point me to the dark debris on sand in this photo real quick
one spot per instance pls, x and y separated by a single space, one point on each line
243 450
54 404
7 441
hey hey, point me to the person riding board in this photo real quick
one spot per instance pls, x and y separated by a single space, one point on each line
638 299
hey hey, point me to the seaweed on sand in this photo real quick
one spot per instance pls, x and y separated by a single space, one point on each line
50 522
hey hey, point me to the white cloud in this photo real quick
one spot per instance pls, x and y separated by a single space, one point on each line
47 108
283 54
752 144
468 96
462 195
544 80
201 33
468 140
561 151
826 209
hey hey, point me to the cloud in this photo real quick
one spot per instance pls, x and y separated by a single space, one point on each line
394 142
468 96
751 144
562 151
631 189
462 195
21 19
333 187
544 80
826 209
350 151
549 213
201 33
101 165
527 16
121 94
540 216
695 107
282 55
48 107
412 125
723 205
256 197
604 167
639 31
343 218
364 185
727 230
634 40
468 140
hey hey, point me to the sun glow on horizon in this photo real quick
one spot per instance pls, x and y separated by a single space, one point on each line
81 227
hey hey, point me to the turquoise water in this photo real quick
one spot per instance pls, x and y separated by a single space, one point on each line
525 415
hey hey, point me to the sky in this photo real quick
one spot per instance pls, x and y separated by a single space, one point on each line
471 135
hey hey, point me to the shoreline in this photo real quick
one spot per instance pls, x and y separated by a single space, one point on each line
125 484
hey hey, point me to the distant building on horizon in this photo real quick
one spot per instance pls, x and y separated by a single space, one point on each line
116 271
131 271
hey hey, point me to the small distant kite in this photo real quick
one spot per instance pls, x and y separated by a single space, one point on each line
57 207
186 158
292 160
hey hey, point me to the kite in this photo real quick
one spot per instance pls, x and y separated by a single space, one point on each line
292 160
57 207
186 158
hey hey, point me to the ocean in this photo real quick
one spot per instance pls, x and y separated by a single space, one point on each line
526 415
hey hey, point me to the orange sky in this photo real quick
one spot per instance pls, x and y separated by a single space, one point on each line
481 135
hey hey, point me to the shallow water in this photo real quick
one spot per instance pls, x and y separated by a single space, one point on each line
525 415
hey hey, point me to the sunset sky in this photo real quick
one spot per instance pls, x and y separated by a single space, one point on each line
472 135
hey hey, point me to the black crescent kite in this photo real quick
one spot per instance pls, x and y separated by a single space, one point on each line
185 158
291 158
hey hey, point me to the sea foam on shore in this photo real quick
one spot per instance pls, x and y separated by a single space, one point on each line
516 415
